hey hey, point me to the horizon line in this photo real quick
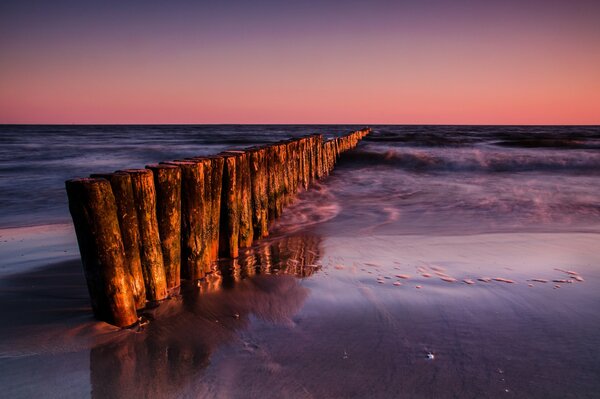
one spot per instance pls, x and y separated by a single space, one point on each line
302 124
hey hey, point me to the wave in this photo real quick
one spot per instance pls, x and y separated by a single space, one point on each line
476 160
556 137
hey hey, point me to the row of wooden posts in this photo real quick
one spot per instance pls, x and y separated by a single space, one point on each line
140 231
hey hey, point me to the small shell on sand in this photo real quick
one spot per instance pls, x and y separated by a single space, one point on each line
485 279
404 276
448 279
468 281
578 278
572 273
539 280
530 285
397 283
426 275
418 287
381 281
504 280
560 281
556 286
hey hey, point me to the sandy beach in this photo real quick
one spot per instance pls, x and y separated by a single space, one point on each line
376 318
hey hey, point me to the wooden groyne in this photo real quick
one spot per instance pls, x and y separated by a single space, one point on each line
140 231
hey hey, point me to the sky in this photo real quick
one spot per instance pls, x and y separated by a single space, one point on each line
356 62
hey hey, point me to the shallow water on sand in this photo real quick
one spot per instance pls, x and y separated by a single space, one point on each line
441 277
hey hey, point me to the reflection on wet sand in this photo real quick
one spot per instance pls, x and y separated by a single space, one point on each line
173 352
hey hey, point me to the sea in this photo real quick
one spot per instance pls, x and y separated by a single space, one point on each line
434 261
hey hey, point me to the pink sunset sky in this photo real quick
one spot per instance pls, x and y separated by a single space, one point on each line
426 62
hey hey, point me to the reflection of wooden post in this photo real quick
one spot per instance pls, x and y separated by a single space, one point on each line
94 212
167 181
144 195
128 223
193 263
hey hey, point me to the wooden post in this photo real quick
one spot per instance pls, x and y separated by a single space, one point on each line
193 260
258 182
128 223
246 228
239 199
213 185
229 231
144 195
94 212
167 182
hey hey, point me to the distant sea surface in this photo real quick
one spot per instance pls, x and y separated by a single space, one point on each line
436 177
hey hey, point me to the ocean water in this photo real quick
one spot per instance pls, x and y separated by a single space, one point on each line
434 262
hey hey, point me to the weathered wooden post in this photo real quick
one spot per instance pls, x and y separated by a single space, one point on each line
142 182
120 183
246 228
213 184
193 262
230 208
242 198
258 182
167 183
94 212
215 188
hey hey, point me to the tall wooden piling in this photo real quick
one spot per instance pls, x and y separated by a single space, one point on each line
193 261
213 178
258 183
142 182
246 226
237 205
94 212
167 183
215 188
120 183
230 208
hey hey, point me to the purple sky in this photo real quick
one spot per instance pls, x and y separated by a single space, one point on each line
300 62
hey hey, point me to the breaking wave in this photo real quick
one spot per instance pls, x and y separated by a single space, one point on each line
477 160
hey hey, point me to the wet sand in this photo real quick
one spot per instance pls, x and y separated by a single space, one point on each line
309 316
